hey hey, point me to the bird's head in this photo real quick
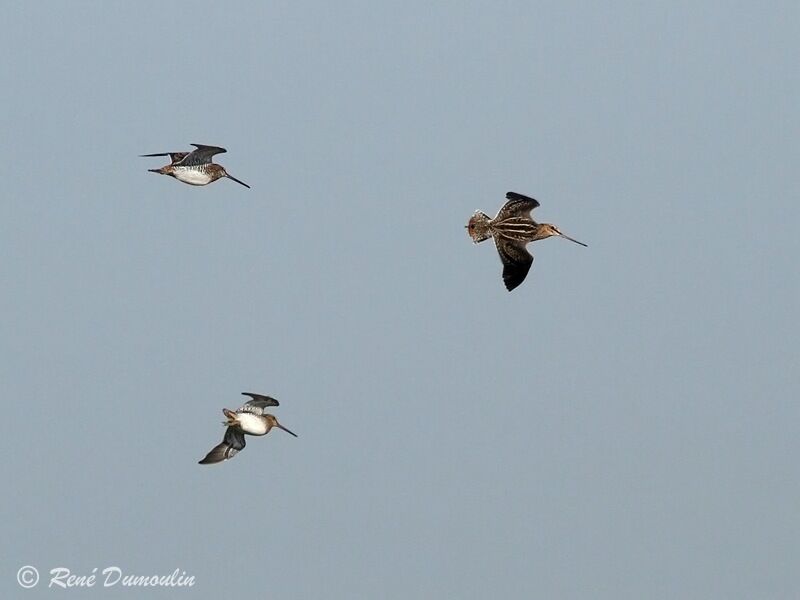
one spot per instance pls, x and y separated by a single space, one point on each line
224 173
273 422
547 230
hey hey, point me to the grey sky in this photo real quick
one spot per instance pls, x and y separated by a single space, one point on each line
623 425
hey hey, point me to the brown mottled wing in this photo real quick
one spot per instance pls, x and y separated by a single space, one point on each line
517 206
177 157
516 259
174 157
231 444
201 156
257 404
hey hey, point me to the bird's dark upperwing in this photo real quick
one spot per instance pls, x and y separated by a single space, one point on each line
257 404
174 157
201 156
517 206
516 259
177 157
231 444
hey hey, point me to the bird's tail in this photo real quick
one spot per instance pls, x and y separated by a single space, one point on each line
478 227
230 417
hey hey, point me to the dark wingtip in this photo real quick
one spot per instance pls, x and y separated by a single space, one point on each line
513 280
255 396
198 146
210 459
518 196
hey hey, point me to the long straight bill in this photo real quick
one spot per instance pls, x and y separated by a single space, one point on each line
237 181
279 426
573 240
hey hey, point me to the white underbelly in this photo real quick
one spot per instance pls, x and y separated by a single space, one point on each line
252 424
192 176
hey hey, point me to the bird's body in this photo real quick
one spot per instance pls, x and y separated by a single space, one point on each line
196 174
251 424
196 167
248 419
512 229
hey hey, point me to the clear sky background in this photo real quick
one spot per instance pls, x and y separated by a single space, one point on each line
623 425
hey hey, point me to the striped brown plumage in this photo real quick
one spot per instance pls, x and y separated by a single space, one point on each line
512 229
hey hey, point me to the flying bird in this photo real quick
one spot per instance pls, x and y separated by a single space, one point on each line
248 419
195 167
512 229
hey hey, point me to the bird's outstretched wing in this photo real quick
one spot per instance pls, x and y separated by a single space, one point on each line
516 259
201 156
517 206
174 157
257 404
231 444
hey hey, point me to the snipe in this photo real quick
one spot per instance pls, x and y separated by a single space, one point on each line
248 419
196 167
512 230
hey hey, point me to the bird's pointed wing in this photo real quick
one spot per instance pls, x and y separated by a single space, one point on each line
177 157
516 259
174 157
201 156
517 206
257 404
231 444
